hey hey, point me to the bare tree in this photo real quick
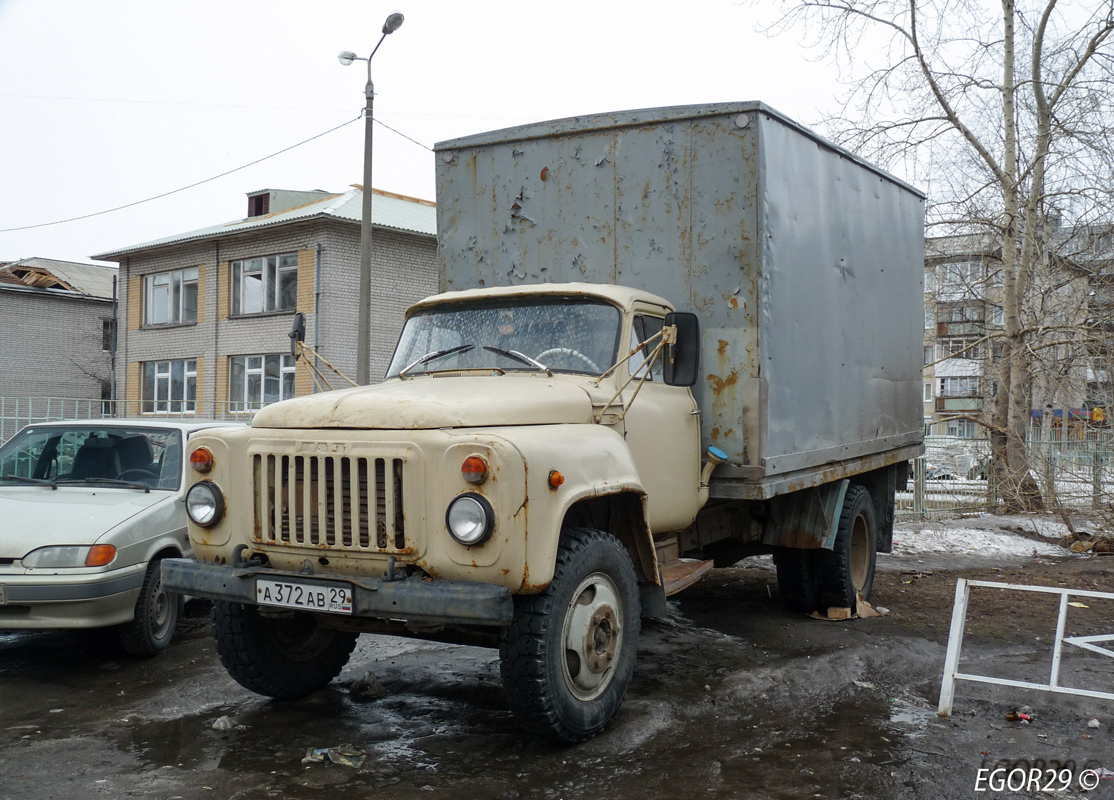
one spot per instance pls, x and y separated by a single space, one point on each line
1003 111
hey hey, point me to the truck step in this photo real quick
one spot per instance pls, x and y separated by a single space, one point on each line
682 573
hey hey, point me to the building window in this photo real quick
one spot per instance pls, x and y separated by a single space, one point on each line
928 392
259 380
108 330
265 284
962 428
930 280
928 354
169 387
928 318
997 316
959 387
960 348
170 297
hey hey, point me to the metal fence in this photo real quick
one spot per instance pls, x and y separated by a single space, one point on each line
19 412
1073 468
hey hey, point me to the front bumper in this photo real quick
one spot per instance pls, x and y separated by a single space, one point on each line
52 601
410 599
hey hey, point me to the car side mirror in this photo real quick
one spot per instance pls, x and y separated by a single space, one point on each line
682 360
297 333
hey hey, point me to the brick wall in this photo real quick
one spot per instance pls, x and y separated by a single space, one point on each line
53 345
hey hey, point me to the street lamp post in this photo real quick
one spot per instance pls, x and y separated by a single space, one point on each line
363 308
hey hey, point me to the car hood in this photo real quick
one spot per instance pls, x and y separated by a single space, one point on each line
36 516
425 402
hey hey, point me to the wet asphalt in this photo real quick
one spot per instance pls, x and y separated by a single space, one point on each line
732 697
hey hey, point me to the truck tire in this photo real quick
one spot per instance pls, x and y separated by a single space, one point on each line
282 657
568 656
796 579
847 570
156 615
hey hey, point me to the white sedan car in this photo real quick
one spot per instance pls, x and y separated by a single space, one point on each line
87 511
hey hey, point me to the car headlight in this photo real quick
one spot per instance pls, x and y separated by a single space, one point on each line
205 504
97 555
470 519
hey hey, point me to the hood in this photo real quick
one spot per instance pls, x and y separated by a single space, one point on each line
436 402
36 516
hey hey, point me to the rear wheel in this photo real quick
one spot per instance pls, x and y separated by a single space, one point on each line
847 570
285 656
567 658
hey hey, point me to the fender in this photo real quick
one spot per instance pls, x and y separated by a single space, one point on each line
595 463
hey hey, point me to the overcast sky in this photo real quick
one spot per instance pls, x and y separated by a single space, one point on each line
105 102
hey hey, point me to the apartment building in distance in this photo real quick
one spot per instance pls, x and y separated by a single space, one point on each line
205 315
1068 313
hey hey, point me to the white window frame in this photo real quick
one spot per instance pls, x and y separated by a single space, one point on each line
928 391
168 397
173 304
962 428
252 394
929 318
269 271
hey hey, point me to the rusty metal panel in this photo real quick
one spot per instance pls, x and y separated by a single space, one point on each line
803 262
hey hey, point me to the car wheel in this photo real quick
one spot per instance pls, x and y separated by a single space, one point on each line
286 656
847 570
156 615
568 656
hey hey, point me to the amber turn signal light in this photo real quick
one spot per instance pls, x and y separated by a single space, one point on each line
555 479
201 459
100 555
474 470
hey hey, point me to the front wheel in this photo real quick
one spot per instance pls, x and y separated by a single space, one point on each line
286 656
568 656
156 615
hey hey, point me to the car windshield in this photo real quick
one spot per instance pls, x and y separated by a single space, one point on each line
149 457
559 334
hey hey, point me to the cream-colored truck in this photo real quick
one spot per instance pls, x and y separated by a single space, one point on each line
669 339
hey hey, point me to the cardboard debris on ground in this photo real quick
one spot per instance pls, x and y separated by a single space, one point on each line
863 610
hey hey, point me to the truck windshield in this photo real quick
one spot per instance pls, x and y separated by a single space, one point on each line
559 334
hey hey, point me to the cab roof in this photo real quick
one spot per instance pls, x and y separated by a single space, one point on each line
621 296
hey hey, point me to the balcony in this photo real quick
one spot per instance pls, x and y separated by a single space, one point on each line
958 404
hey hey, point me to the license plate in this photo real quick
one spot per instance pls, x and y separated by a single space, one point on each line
303 596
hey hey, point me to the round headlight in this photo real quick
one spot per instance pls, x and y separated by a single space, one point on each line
470 519
205 504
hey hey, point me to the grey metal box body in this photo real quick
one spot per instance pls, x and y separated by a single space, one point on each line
803 262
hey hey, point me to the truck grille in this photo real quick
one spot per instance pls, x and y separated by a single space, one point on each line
330 501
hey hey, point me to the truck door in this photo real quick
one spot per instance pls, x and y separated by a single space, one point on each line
662 429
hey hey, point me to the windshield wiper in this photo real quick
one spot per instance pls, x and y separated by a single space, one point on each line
520 357
108 481
460 348
23 479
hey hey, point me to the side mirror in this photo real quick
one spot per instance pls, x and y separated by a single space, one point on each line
298 333
682 360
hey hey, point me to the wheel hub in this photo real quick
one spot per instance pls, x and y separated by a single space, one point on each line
593 636
599 645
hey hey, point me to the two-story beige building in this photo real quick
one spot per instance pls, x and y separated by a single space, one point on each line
205 316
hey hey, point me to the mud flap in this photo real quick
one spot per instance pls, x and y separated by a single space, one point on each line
652 596
807 519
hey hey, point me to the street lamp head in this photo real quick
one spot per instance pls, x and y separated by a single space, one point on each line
346 57
393 23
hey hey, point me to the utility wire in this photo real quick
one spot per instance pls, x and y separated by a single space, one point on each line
184 188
